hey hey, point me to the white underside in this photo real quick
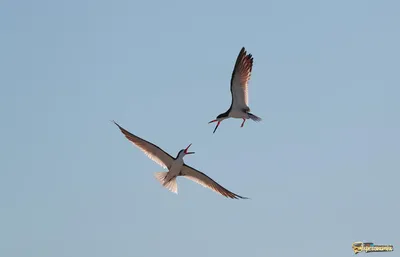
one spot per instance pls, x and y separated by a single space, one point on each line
168 179
238 114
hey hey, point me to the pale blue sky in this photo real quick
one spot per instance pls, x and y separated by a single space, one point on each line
322 168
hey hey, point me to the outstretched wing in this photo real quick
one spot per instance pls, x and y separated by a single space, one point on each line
240 78
204 180
152 151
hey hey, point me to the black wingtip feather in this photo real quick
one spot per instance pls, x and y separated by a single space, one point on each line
113 121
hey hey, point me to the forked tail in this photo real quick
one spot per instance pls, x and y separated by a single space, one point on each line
254 117
170 185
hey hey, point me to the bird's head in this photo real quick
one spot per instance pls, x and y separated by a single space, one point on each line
184 152
219 118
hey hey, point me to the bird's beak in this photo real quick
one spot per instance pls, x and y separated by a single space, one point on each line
215 126
186 150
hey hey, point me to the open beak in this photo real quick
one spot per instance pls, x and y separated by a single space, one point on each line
186 150
215 126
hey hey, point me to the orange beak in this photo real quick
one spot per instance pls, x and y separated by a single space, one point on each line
215 126
186 150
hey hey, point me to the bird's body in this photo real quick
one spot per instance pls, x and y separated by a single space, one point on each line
239 108
176 167
168 179
238 114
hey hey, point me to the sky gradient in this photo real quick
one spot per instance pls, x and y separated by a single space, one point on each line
321 169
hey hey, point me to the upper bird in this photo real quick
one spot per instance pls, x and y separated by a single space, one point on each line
239 90
176 167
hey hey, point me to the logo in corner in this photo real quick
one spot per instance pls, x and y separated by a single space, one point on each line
370 247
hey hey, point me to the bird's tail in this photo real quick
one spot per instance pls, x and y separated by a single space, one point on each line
254 117
170 185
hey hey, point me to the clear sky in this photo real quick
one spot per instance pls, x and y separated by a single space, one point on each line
321 169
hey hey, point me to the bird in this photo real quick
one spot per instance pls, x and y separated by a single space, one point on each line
239 90
176 167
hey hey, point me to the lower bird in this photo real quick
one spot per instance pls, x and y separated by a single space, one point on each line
176 167
239 90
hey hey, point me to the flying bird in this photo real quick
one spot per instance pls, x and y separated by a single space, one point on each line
176 167
239 90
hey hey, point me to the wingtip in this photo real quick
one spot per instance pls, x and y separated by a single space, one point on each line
113 121
242 51
237 197
248 55
242 197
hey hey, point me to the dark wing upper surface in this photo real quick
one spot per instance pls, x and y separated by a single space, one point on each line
240 79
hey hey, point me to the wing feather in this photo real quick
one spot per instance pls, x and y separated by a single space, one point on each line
240 79
204 180
152 151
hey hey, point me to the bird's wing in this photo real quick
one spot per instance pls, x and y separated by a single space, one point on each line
152 151
204 180
239 80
